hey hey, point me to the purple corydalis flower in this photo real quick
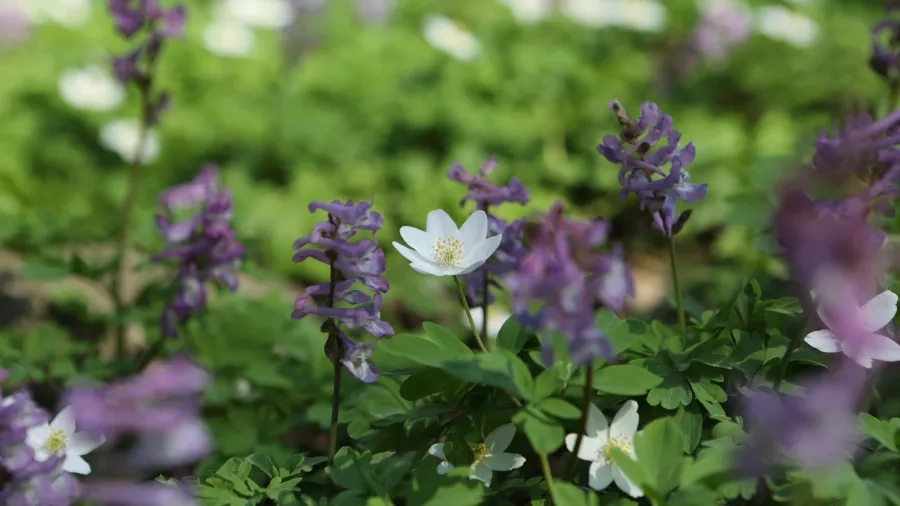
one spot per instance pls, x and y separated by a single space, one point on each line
815 429
350 262
204 244
27 481
563 272
144 494
130 16
161 406
642 171
486 194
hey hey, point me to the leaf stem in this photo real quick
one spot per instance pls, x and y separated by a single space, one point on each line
585 410
465 304
786 360
679 303
484 304
548 476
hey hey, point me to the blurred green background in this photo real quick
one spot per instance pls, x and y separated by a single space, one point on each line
322 100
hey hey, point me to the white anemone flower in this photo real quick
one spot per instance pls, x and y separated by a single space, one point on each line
872 317
447 36
59 438
444 250
780 23
497 316
490 456
123 136
91 88
527 12
600 439
229 38
269 14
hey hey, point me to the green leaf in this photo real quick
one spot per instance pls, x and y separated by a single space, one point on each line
446 340
567 494
34 270
660 453
512 335
346 472
548 382
543 431
674 391
632 469
429 382
709 462
883 432
690 421
410 352
498 368
431 489
625 379
710 395
266 375
559 408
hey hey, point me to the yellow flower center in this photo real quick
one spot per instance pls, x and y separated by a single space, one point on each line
56 441
448 251
480 451
620 442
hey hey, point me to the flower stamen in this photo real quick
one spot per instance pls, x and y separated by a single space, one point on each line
622 443
448 251
56 441
480 451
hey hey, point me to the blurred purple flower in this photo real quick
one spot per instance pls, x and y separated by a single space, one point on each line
350 262
136 66
724 24
563 272
140 494
14 26
160 406
374 11
485 194
204 244
26 480
631 150
815 430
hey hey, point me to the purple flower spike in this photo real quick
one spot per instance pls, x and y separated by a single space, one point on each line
133 494
161 407
814 430
642 171
360 261
511 250
564 274
204 244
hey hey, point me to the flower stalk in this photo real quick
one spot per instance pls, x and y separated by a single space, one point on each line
465 304
679 303
585 412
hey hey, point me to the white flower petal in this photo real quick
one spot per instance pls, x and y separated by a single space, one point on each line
82 444
419 240
626 420
444 467
412 256
596 423
490 245
879 311
37 436
229 38
624 484
481 473
599 475
428 268
437 450
500 438
76 464
876 347
439 224
504 461
64 421
473 231
824 341
590 446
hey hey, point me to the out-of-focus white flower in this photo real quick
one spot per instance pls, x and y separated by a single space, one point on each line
91 88
227 37
529 11
642 15
68 13
724 24
777 22
592 13
445 35
271 14
123 137
497 316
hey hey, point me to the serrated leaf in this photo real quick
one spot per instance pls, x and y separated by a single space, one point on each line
883 432
544 432
710 395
